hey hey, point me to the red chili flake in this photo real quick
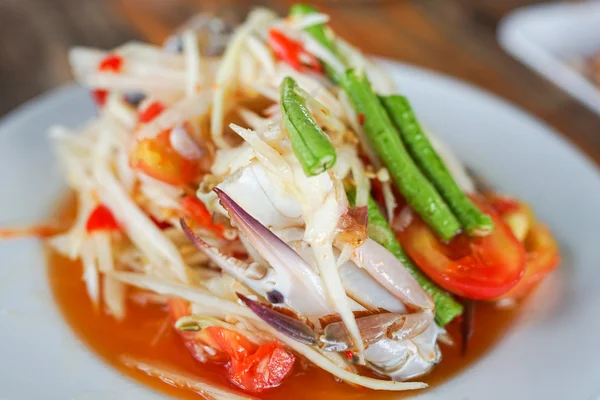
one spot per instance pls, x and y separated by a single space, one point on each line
111 63
101 219
99 96
151 112
349 354
162 225
361 119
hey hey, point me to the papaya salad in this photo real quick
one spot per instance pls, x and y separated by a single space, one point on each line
285 206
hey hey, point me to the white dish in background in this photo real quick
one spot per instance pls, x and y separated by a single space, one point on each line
549 38
552 353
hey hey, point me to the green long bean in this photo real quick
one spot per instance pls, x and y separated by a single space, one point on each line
414 186
446 307
310 144
475 222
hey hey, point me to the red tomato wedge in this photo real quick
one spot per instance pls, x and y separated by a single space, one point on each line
292 51
158 159
195 209
477 268
541 247
542 258
101 219
252 368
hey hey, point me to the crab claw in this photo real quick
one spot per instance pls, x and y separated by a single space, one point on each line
285 324
374 328
296 280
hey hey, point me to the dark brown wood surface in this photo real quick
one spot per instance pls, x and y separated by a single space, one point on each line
456 37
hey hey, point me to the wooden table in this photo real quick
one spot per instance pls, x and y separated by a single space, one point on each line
456 37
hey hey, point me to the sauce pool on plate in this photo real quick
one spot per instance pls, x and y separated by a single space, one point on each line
147 334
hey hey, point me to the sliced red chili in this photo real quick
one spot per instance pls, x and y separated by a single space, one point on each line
292 51
151 111
101 219
111 63
99 96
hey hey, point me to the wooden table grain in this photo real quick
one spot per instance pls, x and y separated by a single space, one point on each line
455 37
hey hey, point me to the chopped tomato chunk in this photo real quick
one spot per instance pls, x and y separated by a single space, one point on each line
196 210
101 219
540 246
473 267
251 367
158 159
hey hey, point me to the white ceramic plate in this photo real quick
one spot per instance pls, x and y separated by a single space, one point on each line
550 37
552 353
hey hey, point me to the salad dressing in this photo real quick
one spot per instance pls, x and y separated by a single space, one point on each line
147 334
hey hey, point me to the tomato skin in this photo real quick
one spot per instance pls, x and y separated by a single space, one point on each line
252 368
477 268
542 258
158 159
101 219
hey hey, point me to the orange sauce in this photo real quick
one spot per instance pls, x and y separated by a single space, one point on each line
138 336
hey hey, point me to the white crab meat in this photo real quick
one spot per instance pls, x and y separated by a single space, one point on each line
251 189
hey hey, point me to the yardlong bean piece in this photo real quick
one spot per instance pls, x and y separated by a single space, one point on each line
414 186
475 222
311 145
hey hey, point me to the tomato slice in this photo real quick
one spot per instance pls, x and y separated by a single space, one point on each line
101 219
473 267
541 247
158 159
542 258
196 210
252 368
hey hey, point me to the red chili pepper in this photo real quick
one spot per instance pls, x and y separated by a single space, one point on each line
349 354
291 51
101 219
361 119
196 210
111 63
151 111
99 96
